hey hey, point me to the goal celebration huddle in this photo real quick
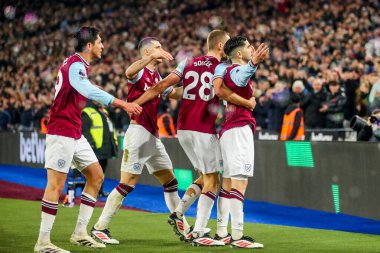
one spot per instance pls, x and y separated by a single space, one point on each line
221 76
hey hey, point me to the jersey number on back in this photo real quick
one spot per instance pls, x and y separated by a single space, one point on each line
206 85
58 84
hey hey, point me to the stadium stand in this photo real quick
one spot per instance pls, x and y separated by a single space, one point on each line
338 42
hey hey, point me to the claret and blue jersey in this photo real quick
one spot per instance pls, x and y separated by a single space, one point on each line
72 90
237 78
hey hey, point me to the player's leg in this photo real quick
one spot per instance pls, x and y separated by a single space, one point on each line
186 140
114 201
169 182
238 146
59 153
161 166
49 207
223 211
191 194
210 167
238 187
137 148
87 163
206 201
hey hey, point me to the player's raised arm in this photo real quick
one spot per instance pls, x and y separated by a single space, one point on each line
222 91
159 88
241 74
133 70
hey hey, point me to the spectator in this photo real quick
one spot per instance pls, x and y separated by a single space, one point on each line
5 116
26 118
334 107
371 132
293 123
278 99
306 41
312 104
100 134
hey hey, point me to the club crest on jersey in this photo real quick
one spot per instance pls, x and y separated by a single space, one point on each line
136 166
61 163
248 167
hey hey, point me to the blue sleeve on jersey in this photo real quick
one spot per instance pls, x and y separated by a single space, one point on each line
137 77
78 80
220 71
241 74
180 68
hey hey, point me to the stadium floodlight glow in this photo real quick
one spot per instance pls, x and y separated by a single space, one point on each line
299 154
184 177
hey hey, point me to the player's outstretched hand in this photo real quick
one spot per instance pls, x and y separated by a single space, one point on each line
252 104
132 108
162 54
260 54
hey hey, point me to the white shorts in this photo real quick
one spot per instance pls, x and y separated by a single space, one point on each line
142 148
238 152
202 149
61 152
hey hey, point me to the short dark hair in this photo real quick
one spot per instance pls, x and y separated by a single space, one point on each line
376 111
145 41
334 83
86 34
234 43
214 37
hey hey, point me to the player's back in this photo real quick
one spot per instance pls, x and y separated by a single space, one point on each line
145 79
65 117
237 116
199 106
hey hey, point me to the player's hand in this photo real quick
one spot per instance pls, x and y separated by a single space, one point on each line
132 108
252 104
161 54
260 54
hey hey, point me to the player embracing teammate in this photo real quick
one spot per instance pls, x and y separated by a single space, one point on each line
236 135
197 134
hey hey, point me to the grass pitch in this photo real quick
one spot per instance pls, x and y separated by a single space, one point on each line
149 232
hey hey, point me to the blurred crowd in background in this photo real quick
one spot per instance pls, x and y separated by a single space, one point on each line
326 51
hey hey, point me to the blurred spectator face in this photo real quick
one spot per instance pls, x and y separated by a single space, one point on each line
334 88
317 85
27 104
377 64
264 85
298 87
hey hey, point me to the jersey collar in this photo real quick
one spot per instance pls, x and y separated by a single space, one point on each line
82 59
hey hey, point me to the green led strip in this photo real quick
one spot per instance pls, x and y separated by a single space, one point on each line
184 177
299 154
335 193
121 142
